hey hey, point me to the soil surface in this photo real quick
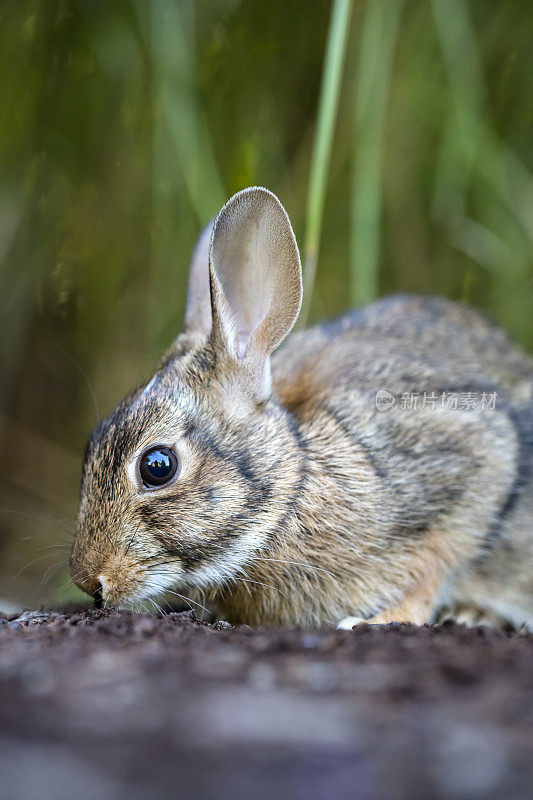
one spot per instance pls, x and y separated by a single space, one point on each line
130 707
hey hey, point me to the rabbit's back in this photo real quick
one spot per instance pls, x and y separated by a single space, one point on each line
450 452
403 344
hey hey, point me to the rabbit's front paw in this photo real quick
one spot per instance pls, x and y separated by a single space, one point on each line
348 623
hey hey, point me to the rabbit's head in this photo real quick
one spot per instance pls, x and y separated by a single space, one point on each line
193 472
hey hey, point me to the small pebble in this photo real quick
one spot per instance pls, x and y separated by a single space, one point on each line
221 625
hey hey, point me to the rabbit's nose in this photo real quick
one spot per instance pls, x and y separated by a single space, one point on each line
91 586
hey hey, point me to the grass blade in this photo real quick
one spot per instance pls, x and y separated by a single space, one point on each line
327 114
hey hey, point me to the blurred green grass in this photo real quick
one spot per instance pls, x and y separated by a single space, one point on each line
405 166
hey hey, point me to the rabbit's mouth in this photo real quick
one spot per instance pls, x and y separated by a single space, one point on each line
98 599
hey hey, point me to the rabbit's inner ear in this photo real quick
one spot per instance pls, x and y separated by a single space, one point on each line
245 280
198 310
255 275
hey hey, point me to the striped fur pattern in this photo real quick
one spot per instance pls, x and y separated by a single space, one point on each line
298 500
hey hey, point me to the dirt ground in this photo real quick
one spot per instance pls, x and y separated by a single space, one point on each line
121 705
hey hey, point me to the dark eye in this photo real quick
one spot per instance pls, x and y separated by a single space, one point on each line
158 466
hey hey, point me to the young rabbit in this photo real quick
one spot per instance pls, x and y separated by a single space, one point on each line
377 467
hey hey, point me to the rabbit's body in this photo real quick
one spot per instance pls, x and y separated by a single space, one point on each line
314 491
405 512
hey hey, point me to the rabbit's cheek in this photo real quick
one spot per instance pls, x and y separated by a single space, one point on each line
156 581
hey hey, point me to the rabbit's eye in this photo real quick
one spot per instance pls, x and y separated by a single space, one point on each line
158 466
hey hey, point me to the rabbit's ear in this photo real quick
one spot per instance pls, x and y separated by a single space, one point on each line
256 280
198 309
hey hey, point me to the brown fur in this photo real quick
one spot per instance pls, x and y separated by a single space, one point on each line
298 502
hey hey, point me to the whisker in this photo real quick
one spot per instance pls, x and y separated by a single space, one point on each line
297 564
170 609
70 580
52 546
50 571
188 600
87 380
54 523
29 564
77 576
141 608
248 580
163 614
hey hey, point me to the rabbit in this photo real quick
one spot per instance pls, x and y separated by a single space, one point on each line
377 467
